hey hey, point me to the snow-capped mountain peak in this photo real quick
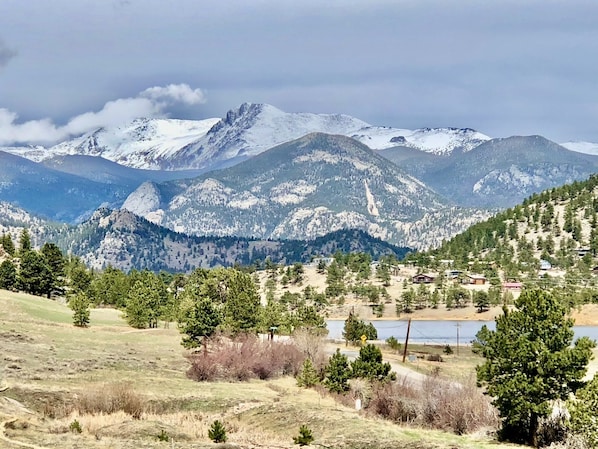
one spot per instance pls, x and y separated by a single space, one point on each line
246 131
141 143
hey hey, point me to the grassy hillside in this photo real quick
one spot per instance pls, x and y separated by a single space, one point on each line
49 365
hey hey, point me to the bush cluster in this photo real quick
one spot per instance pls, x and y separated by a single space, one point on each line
244 358
435 404
112 398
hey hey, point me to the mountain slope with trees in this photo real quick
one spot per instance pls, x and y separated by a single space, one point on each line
303 189
123 240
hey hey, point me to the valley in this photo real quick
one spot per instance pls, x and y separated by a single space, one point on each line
158 249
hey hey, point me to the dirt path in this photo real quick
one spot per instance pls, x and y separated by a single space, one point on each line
5 438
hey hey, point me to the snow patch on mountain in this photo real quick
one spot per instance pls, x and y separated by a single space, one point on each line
142 143
442 141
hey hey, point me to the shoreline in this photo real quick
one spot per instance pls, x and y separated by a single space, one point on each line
586 315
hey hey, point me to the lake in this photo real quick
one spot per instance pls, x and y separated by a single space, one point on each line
436 332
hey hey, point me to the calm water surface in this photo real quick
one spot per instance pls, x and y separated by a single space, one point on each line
436 332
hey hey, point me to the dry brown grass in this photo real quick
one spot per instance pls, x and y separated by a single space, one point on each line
111 398
60 364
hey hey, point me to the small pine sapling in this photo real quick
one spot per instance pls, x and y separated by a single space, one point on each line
217 432
305 436
308 376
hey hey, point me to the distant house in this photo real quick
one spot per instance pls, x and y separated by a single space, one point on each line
582 251
423 278
448 262
324 260
595 270
545 265
452 274
512 286
476 279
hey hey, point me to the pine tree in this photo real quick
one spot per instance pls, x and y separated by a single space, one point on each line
198 320
8 275
242 307
530 362
79 304
305 436
24 242
369 365
338 373
308 377
584 410
35 276
217 432
8 244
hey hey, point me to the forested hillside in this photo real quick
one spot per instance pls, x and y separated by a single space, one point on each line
551 239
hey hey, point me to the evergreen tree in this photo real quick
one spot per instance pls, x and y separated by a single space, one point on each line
482 301
530 362
305 437
242 307
79 277
308 316
8 244
198 320
137 311
110 288
308 377
24 242
355 328
35 276
8 275
79 304
335 280
145 299
369 365
338 373
55 262
584 410
217 432
405 305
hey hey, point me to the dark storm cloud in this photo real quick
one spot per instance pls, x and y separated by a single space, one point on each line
6 54
502 67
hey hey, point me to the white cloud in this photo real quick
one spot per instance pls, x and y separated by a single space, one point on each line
152 102
179 93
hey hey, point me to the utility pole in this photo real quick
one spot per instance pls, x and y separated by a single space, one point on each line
406 340
458 327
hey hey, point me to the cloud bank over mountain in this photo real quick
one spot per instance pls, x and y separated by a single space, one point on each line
150 103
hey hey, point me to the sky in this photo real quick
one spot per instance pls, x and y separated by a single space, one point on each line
501 67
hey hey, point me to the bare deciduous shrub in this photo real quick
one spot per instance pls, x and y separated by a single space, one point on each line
244 358
396 401
436 404
461 408
312 344
112 398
